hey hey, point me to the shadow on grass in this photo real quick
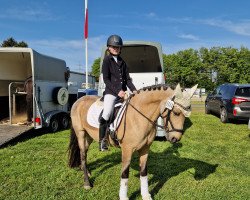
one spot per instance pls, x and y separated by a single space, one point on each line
168 164
28 135
187 124
232 121
162 167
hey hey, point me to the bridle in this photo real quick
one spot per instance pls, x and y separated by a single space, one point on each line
166 117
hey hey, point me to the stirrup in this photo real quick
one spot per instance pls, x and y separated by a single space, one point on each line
113 137
103 146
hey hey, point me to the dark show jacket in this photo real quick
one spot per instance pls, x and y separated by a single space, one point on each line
116 76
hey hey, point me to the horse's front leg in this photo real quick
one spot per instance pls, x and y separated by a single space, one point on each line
84 143
143 154
126 159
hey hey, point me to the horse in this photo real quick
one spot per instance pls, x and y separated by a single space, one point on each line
136 132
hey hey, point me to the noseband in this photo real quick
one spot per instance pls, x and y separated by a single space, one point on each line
167 117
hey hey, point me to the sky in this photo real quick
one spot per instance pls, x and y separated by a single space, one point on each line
56 27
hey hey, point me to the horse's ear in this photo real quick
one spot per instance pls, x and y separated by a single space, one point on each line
192 91
178 92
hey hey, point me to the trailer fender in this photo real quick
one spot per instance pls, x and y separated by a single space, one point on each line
48 116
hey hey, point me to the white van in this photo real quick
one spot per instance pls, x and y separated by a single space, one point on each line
145 64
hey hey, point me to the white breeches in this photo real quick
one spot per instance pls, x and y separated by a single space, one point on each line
109 101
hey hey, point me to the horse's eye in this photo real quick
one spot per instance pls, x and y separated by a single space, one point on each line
176 114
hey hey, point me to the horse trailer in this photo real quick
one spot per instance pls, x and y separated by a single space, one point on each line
145 63
49 78
77 86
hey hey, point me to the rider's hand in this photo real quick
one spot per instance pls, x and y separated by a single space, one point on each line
169 104
121 94
134 92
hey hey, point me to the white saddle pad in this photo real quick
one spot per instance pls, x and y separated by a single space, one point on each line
94 112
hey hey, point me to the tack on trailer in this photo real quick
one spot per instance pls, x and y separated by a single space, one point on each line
145 62
49 82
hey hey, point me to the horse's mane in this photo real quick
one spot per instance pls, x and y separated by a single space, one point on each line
154 87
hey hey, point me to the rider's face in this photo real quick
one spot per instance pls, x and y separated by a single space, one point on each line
114 50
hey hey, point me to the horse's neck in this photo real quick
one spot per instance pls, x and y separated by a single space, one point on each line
148 102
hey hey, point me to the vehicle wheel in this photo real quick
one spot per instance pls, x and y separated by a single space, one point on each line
54 124
223 115
207 111
64 121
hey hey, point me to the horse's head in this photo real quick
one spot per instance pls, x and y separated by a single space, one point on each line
174 118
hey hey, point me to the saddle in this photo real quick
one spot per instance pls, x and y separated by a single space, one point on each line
111 129
95 112
117 106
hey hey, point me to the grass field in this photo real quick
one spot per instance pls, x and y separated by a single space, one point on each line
212 161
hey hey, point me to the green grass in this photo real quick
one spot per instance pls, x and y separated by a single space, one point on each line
212 161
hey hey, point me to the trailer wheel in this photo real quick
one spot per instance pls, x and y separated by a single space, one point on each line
54 124
60 95
64 121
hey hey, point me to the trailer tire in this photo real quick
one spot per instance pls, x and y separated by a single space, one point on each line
64 121
54 124
60 95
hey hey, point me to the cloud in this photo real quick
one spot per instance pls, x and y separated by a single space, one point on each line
240 28
112 16
151 15
72 51
188 36
28 14
170 48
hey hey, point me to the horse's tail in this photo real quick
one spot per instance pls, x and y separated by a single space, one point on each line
74 150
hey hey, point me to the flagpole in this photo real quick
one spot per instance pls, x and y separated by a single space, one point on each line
86 42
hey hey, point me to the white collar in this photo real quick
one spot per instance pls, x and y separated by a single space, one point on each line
115 58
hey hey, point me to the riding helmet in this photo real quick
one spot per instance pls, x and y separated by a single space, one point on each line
114 40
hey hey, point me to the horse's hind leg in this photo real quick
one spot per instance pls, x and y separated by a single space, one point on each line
143 155
84 141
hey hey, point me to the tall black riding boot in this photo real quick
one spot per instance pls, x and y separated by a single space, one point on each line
103 143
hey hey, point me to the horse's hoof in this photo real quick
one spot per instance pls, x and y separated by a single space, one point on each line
88 173
147 197
87 187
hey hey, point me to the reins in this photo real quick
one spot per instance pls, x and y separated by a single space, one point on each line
154 123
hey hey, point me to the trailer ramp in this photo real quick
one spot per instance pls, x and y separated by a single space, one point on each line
9 132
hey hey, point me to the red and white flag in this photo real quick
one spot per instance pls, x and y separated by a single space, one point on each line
86 20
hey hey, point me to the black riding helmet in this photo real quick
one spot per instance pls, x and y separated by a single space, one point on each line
114 40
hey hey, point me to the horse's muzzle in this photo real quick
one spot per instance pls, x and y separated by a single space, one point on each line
173 140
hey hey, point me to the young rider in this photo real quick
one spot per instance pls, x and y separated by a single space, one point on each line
116 78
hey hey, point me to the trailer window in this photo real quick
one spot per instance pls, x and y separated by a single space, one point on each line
141 58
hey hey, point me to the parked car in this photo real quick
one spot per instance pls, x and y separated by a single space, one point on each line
230 101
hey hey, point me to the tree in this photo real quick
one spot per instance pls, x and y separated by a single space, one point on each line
11 42
243 64
190 66
96 68
183 67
